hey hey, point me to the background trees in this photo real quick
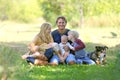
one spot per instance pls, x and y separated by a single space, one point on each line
77 11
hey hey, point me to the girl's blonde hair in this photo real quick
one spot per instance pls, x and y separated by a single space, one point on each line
74 33
44 36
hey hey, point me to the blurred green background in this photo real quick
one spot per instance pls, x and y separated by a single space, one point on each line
78 12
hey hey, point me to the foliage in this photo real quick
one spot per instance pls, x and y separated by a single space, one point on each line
18 10
28 10
51 10
72 9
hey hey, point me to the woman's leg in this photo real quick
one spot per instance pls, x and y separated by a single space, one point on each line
87 60
79 61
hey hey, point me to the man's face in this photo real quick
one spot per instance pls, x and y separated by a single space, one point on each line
61 24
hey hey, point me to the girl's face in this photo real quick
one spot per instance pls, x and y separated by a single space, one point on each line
70 36
61 24
48 30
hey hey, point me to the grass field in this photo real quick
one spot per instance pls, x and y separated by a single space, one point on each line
15 37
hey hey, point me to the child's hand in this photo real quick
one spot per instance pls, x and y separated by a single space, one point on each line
61 59
73 49
66 48
66 54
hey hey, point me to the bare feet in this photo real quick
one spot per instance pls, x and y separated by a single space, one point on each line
24 56
42 57
40 62
52 64
71 63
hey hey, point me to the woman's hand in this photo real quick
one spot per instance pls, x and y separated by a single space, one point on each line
34 49
73 49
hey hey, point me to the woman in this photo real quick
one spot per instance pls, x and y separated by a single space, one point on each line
42 46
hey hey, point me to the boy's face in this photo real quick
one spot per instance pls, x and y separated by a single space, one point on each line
64 40
70 36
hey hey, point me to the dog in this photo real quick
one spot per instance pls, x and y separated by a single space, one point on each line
99 55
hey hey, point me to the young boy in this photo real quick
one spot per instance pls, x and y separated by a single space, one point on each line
65 56
78 49
65 47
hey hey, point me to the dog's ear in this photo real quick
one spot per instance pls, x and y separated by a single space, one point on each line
105 47
98 48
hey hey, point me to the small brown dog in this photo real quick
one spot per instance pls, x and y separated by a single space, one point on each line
99 55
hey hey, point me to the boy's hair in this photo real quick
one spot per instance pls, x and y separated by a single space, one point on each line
64 36
74 33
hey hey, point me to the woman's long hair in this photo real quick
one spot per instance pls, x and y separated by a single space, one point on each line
43 35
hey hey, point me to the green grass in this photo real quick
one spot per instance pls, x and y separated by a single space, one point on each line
13 43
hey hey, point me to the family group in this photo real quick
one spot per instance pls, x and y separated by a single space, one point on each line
61 46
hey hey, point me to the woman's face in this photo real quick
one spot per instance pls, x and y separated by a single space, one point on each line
48 30
61 24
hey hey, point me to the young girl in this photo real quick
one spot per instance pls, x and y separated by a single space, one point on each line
42 46
79 46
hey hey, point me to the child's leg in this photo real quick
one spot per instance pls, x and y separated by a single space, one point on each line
87 60
70 59
79 61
